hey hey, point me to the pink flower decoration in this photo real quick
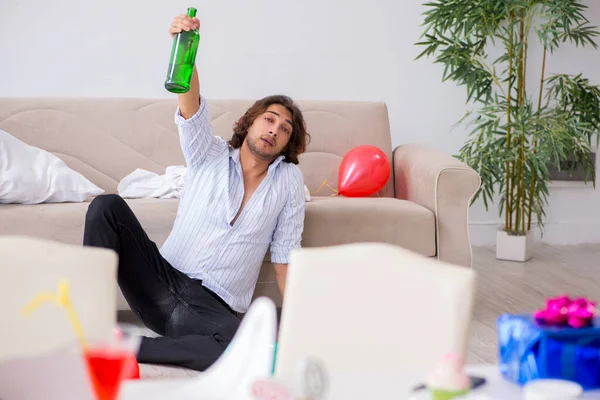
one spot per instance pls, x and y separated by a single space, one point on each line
563 311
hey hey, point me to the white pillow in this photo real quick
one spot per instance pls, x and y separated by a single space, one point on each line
30 175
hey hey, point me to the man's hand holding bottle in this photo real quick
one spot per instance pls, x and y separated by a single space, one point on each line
189 101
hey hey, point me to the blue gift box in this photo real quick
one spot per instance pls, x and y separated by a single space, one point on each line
528 350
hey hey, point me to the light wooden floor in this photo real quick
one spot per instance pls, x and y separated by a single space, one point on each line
506 287
523 287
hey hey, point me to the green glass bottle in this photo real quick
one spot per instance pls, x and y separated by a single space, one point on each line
183 57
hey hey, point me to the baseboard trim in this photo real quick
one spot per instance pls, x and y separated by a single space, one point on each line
483 233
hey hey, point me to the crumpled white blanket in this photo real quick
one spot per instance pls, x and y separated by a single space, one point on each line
144 184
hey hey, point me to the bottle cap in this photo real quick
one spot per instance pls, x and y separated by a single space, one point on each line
552 389
191 12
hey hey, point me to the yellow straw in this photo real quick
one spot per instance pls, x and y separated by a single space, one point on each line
61 299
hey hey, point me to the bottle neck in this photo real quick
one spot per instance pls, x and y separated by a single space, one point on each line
191 12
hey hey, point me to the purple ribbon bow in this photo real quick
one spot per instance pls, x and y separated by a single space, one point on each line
563 311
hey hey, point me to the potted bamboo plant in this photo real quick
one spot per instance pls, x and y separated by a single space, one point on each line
519 127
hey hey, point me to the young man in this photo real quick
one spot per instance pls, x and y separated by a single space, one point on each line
241 198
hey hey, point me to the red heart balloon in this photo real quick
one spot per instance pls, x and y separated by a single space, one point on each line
363 171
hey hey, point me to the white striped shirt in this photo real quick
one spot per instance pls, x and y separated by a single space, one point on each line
203 244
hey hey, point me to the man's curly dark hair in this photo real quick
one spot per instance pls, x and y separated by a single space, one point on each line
299 139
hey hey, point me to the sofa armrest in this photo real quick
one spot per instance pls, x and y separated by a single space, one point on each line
445 186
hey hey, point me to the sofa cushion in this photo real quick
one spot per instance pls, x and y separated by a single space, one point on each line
329 221
65 221
340 220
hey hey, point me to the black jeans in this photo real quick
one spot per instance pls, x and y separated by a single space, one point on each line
196 325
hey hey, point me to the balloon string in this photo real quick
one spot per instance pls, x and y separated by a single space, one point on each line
324 183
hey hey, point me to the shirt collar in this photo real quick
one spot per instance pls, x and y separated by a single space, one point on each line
234 154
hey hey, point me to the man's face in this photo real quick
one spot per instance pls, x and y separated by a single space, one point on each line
270 132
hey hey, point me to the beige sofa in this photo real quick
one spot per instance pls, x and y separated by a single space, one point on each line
423 207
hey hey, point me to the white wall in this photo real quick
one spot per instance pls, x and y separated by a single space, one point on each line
318 49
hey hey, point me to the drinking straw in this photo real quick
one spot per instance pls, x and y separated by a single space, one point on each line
60 298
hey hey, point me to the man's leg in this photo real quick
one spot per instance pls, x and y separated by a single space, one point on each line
197 324
148 282
199 330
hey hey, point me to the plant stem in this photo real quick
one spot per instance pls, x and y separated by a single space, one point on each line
520 80
519 186
507 213
524 73
531 189
522 189
520 63
539 105
523 141
512 171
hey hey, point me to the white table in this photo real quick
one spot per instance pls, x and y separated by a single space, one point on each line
499 388
389 385
380 385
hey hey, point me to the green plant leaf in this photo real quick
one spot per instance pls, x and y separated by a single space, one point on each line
483 46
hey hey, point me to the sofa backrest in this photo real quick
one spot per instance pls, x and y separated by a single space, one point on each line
105 139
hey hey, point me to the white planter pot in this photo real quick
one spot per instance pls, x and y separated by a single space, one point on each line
514 247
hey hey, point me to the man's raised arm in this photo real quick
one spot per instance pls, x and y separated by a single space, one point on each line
195 131
189 102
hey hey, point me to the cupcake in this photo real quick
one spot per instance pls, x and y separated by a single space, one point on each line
448 379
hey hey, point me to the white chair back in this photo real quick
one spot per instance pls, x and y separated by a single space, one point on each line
39 350
372 308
